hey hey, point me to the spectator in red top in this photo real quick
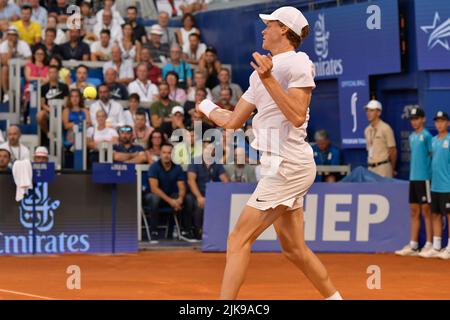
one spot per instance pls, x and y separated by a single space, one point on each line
37 69
225 99
154 73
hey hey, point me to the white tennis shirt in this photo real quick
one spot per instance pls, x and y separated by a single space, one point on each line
274 133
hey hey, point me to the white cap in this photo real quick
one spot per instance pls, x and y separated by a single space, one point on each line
41 152
177 109
374 105
156 29
289 16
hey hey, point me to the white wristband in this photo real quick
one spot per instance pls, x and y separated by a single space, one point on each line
206 106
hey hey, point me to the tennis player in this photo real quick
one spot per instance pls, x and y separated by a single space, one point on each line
280 88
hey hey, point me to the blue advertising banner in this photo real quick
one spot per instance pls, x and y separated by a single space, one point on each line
44 172
340 217
433 34
69 215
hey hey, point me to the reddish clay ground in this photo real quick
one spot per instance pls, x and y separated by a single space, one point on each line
190 274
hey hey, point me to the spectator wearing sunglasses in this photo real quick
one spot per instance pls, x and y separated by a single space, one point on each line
126 150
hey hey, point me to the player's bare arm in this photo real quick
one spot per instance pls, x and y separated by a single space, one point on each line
294 102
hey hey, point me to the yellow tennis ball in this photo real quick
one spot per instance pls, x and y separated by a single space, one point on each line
90 93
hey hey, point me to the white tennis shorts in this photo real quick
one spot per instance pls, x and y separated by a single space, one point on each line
283 182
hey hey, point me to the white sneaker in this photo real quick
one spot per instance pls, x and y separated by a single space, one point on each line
426 248
407 251
5 98
445 254
429 254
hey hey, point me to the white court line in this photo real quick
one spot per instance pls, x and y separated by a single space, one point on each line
26 294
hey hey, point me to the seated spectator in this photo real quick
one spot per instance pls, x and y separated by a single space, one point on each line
199 83
89 19
211 66
98 134
12 48
17 150
175 93
73 115
113 109
40 155
177 122
155 141
108 5
179 66
158 50
48 43
123 67
39 14
168 189
161 110
224 82
141 131
60 36
5 159
81 75
198 176
63 73
325 154
240 170
168 33
108 24
193 50
129 115
125 150
139 33
101 49
75 48
130 48
9 10
182 34
154 72
29 31
53 89
225 99
59 10
117 90
147 91
37 69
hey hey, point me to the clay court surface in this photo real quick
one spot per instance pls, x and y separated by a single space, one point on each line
190 274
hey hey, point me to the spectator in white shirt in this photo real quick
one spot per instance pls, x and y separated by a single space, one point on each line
101 132
193 50
147 91
101 49
129 115
108 5
17 150
113 109
11 48
108 23
123 67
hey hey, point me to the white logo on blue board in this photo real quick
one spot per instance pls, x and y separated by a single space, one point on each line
439 32
321 36
330 67
354 100
45 209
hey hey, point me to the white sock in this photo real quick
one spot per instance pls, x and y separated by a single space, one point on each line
335 296
414 245
428 244
437 243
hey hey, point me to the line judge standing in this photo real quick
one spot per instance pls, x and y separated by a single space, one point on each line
381 147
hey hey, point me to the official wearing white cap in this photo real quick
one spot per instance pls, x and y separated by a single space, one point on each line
280 89
380 142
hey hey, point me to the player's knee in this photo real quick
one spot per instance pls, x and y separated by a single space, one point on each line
236 244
